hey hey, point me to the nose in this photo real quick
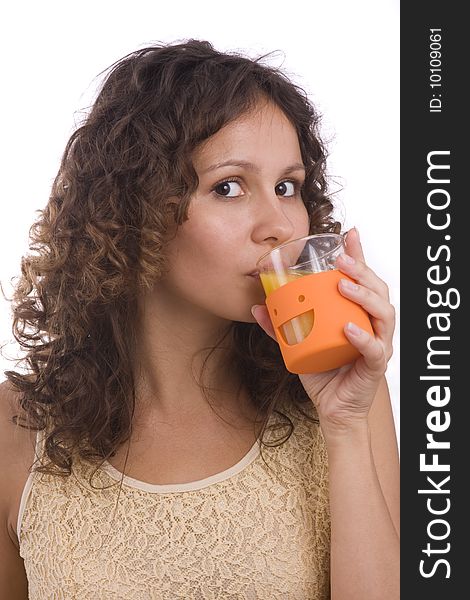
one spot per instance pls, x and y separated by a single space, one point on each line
272 225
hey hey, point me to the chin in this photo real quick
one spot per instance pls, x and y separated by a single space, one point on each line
246 316
247 319
243 316
237 307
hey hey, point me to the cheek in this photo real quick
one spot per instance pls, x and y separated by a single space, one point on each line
301 222
199 250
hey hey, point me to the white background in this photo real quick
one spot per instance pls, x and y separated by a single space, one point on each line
344 54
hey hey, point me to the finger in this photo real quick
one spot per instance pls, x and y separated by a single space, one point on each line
353 244
372 351
380 310
260 313
364 275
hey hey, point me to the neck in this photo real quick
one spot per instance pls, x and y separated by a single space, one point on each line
173 342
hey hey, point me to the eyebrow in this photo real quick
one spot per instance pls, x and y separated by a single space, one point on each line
250 166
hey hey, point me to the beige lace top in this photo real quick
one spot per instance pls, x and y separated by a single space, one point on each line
255 531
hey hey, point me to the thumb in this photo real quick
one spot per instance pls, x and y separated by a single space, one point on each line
260 313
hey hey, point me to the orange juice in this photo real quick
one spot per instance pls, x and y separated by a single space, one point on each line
295 330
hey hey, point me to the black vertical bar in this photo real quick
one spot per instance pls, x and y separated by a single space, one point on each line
435 331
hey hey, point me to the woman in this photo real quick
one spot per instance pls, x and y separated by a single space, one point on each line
177 457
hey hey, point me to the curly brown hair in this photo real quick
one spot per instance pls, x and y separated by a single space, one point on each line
125 180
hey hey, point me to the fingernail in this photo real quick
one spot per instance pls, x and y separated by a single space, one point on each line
357 232
253 308
348 284
353 329
348 259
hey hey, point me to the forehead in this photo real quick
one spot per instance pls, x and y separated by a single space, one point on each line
265 128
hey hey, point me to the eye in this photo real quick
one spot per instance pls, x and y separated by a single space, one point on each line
287 188
227 188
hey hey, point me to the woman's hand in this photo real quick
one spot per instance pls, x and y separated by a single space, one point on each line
344 396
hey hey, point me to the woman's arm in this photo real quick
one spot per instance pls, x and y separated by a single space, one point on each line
385 450
364 507
14 450
13 582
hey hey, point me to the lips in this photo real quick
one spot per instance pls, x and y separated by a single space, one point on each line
254 274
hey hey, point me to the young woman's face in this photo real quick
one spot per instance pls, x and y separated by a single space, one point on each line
248 201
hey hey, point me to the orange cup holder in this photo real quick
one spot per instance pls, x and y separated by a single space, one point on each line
309 314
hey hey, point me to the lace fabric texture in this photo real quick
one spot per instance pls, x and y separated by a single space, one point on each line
262 533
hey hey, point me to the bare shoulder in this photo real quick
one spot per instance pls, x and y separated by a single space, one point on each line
16 457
